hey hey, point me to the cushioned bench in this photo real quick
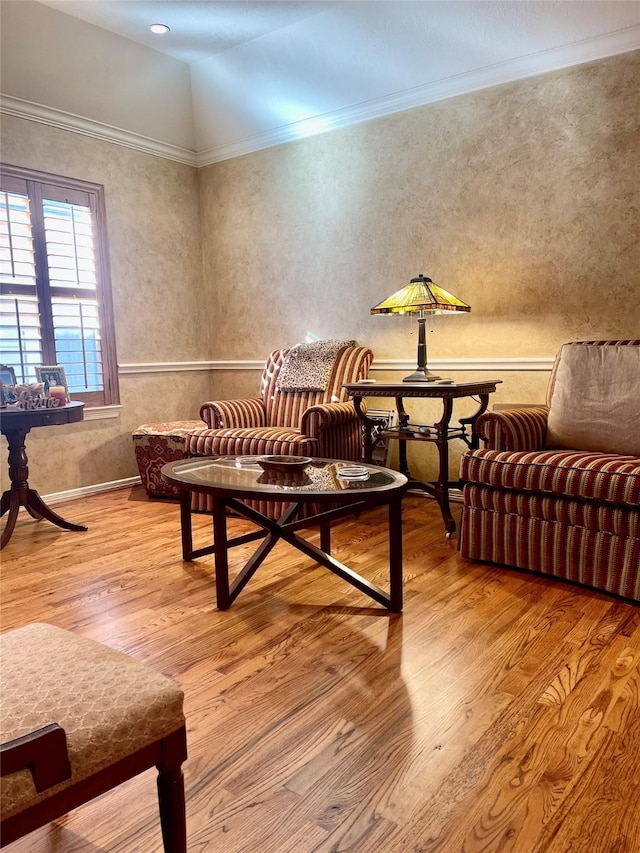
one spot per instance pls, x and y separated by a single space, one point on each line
158 443
79 718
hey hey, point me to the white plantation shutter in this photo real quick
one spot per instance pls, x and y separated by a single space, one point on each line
20 335
55 303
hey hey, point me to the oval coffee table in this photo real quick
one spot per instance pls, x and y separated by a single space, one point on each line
229 481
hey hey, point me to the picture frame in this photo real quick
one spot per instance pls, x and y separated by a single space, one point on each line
53 374
7 375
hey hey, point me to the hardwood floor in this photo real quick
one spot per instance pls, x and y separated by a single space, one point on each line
499 712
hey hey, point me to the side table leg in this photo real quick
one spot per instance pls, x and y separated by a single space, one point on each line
367 443
442 485
37 508
14 508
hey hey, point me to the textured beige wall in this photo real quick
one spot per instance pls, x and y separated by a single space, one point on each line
522 200
159 300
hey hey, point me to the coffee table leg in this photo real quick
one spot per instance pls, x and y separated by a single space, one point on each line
395 554
325 536
185 525
220 554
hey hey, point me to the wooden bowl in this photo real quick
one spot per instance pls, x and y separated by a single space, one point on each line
283 463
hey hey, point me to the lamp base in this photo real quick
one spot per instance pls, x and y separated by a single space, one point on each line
422 376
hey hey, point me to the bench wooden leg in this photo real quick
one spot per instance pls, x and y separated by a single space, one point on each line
171 798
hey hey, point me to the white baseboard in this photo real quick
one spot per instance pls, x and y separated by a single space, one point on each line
96 489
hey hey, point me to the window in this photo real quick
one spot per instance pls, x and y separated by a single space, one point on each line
55 288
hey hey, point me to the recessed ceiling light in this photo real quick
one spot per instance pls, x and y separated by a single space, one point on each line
159 28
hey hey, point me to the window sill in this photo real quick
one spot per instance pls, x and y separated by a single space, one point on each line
101 413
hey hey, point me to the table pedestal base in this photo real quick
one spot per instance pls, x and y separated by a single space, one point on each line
21 495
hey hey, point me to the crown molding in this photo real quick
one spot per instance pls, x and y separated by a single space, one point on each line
389 364
553 59
95 129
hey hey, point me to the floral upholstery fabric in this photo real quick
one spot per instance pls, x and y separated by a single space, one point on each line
109 704
156 444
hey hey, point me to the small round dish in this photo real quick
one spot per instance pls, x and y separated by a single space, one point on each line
283 463
353 472
247 461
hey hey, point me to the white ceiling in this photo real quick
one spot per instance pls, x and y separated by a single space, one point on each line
198 28
266 72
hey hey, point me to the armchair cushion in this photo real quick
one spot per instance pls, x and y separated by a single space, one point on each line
250 442
611 479
595 399
599 518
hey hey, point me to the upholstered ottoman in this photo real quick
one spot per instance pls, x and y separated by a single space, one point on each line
156 444
79 718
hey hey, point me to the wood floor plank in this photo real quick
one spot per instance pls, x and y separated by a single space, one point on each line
500 712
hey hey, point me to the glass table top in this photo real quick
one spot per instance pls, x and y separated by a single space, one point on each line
316 477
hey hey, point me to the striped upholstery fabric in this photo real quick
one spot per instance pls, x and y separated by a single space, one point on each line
515 429
250 442
573 514
306 423
577 474
615 520
234 413
595 558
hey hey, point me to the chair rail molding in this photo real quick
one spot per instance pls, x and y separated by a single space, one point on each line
165 367
515 363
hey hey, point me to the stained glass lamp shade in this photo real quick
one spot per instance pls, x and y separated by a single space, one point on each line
421 296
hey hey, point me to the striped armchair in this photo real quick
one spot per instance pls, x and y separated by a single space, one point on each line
557 488
297 423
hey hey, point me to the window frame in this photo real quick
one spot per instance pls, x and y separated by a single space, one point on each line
36 182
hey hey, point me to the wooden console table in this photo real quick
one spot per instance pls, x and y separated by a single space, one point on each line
440 433
15 424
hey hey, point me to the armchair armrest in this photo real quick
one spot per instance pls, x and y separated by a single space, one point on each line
326 416
218 414
43 752
523 428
